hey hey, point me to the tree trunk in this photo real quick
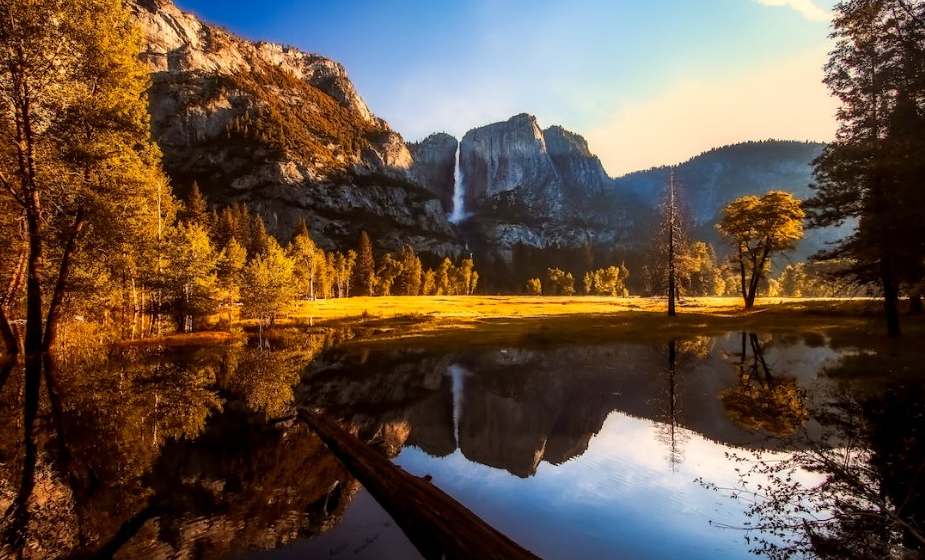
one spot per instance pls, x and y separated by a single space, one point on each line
890 297
742 283
64 269
915 302
10 340
9 337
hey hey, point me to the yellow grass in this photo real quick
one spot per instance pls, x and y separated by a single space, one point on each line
475 307
466 321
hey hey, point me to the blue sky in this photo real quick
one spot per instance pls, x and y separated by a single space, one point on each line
647 83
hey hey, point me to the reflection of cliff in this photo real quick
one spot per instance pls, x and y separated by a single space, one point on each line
515 416
521 407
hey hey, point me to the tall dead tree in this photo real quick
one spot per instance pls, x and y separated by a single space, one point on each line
673 231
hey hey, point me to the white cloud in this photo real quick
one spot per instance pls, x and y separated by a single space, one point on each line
784 101
806 8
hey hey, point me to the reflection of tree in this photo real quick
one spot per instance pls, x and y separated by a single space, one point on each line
760 401
679 352
668 430
105 432
870 501
109 452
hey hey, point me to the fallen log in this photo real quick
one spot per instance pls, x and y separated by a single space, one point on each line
438 526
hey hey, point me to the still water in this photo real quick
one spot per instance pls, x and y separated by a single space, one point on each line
622 450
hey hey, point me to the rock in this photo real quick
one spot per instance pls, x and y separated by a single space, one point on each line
434 165
580 170
507 156
283 131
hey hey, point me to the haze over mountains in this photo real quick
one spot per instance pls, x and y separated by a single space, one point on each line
286 133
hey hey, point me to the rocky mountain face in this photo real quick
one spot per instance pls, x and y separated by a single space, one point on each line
526 185
434 164
283 131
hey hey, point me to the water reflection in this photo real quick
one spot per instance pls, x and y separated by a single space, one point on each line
155 452
760 401
513 409
572 451
866 495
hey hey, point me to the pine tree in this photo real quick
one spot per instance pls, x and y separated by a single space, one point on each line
409 281
673 233
195 209
873 172
259 239
429 282
365 270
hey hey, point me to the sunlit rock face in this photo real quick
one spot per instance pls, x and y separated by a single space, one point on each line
525 185
510 156
283 131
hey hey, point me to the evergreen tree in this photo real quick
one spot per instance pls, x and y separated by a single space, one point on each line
409 281
195 209
365 270
429 282
873 172
258 242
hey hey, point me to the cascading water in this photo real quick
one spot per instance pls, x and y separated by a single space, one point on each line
457 374
459 213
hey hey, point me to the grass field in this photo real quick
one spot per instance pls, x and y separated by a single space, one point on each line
467 321
550 306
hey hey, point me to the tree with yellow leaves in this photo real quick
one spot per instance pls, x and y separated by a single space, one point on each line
759 227
76 156
268 288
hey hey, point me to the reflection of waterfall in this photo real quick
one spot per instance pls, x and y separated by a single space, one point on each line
458 374
459 212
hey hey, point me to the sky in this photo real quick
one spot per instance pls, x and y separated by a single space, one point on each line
647 83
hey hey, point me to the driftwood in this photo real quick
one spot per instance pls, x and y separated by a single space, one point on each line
439 526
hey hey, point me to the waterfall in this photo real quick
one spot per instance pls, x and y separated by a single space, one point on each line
459 212
457 374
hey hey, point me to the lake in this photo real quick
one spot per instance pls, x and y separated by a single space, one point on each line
702 448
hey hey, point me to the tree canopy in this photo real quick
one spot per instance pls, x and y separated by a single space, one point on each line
873 173
759 227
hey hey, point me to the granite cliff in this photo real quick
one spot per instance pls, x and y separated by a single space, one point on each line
526 185
283 131
434 163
